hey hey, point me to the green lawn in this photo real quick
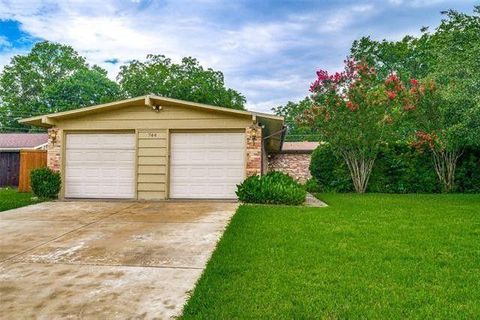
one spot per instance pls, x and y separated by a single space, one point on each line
11 198
365 256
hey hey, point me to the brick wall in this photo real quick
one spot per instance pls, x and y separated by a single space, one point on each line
54 149
294 164
254 150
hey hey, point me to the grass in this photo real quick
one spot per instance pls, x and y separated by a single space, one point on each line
11 198
367 256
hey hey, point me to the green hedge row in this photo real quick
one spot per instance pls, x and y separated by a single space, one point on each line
398 169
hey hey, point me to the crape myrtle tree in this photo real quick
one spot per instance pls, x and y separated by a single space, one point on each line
444 130
187 80
356 112
446 58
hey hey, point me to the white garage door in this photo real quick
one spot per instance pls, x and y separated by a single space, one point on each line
100 165
206 165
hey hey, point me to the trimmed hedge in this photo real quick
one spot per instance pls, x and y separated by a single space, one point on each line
271 188
398 169
45 183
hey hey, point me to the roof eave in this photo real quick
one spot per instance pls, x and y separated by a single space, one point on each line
48 120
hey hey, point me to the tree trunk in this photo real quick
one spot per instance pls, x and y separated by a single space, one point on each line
445 163
360 168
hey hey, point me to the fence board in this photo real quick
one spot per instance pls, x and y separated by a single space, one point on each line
9 166
29 160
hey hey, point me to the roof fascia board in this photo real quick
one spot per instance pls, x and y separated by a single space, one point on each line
49 119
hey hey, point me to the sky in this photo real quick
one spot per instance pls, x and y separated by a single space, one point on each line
268 50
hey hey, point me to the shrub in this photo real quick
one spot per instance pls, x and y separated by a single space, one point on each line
272 188
467 176
312 185
402 169
398 168
330 171
45 182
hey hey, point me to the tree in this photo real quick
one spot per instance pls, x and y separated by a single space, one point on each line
187 81
407 58
293 112
29 81
356 113
85 87
447 57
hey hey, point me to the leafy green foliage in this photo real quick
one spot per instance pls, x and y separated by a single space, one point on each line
312 185
45 182
399 168
355 112
450 121
187 81
330 171
468 172
271 188
406 58
42 81
292 113
371 256
84 88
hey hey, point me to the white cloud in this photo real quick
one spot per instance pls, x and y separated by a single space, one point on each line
415 3
4 42
270 61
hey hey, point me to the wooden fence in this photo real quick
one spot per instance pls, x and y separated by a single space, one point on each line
9 168
29 160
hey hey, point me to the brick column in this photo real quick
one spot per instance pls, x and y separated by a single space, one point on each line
254 150
54 149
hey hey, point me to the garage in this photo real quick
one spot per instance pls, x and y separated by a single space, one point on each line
100 165
153 148
206 165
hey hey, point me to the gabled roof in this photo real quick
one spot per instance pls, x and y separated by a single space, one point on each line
48 120
272 125
16 141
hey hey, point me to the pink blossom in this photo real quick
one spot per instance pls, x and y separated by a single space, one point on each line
391 95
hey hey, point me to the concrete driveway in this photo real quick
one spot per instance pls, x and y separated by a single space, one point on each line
105 259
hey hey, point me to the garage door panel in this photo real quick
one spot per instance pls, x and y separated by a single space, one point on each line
206 165
103 141
100 165
197 190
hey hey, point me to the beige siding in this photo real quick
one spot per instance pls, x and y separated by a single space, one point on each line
141 117
152 130
152 164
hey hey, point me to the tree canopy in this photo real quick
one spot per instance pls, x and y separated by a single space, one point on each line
51 77
187 80
293 113
447 57
356 112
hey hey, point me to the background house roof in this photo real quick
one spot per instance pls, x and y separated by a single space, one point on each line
22 140
299 147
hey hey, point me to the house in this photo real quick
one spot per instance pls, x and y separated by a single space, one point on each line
293 159
156 148
11 144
